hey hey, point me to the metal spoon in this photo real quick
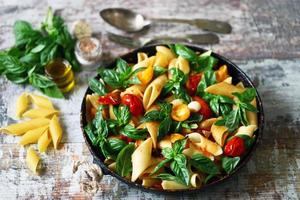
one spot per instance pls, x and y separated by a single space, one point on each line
200 39
129 21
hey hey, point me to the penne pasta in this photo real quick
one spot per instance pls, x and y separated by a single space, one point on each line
224 88
148 182
32 160
205 144
141 56
247 130
192 150
33 135
111 112
22 104
166 52
39 112
152 128
41 102
180 63
206 124
161 60
44 141
23 127
165 142
252 116
112 166
172 185
228 80
55 131
219 134
196 180
137 90
93 100
153 91
141 159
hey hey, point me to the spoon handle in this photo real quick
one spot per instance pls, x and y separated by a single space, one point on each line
206 24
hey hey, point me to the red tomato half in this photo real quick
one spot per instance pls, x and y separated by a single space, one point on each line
110 99
205 110
134 103
235 147
192 83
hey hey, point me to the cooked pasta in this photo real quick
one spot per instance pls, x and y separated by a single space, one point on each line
174 120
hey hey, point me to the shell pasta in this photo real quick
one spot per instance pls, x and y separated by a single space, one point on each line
173 120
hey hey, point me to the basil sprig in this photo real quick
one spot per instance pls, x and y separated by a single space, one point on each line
198 63
120 77
178 164
208 78
24 63
228 163
97 86
219 104
238 116
205 165
162 116
123 162
176 85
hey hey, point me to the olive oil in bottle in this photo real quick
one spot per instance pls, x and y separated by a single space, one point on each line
60 71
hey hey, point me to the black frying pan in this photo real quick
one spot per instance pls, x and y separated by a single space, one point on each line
237 75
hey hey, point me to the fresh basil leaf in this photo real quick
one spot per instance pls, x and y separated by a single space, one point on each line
38 48
105 148
89 131
122 114
247 96
248 106
160 165
178 146
228 163
167 152
158 70
185 52
10 64
122 67
116 145
232 120
131 132
19 79
97 86
208 79
169 177
52 91
206 62
204 164
243 116
179 168
123 162
24 33
247 139
209 177
152 116
164 128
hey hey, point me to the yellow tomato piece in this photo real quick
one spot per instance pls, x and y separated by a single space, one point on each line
176 136
180 112
222 73
146 75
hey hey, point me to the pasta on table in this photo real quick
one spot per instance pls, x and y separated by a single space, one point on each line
41 127
173 120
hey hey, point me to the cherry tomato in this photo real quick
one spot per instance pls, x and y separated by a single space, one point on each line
125 138
110 99
235 147
134 103
205 110
192 83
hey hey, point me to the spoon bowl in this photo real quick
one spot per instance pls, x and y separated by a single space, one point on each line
124 19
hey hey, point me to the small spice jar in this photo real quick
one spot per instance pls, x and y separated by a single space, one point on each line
60 71
88 51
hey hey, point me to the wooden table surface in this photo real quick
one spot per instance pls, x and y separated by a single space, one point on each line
265 43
